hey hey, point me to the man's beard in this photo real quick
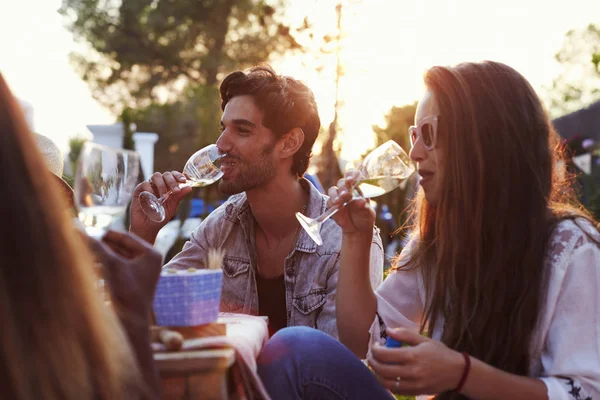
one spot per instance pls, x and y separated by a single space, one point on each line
252 175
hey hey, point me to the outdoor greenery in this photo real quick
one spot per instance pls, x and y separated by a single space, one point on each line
578 83
148 50
397 122
75 145
157 63
577 86
586 186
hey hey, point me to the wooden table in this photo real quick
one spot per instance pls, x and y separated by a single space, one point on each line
206 373
195 374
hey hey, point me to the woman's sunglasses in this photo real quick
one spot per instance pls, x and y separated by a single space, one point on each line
426 130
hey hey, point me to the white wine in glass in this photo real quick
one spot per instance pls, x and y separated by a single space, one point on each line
382 171
202 169
104 183
373 187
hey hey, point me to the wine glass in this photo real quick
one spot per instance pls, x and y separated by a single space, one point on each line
202 169
104 183
382 170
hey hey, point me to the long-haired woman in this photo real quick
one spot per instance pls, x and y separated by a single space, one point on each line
57 338
497 292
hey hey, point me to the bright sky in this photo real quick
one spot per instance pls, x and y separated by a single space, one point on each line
388 45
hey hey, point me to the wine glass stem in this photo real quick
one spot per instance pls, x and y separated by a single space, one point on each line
329 213
166 196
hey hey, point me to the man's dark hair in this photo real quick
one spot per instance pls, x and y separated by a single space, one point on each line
286 103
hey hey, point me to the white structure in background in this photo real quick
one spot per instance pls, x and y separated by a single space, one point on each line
144 144
28 111
112 136
108 135
584 162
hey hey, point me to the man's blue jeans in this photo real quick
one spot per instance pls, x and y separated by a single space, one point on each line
304 363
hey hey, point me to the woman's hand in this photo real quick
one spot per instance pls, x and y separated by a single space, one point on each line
426 367
131 268
357 216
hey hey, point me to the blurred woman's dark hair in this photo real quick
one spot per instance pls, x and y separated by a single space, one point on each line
58 340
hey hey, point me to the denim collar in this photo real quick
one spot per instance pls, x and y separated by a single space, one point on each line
317 204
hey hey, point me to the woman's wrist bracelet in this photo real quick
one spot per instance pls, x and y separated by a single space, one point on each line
465 373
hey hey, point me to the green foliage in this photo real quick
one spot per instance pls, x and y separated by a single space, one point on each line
156 63
594 203
75 146
578 83
183 126
141 51
577 86
587 187
397 122
127 129
596 61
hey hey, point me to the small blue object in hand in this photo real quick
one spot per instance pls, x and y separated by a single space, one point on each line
391 342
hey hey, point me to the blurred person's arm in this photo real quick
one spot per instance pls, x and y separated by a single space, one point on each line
132 269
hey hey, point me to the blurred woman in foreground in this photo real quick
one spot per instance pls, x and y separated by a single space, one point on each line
58 340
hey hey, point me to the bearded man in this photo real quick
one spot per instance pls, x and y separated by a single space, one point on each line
271 267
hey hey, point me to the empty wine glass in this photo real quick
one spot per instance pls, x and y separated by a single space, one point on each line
382 170
104 183
202 169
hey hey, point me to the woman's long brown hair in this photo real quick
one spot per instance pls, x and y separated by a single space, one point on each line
58 340
481 248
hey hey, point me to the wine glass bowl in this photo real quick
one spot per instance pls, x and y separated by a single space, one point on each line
202 169
104 183
380 172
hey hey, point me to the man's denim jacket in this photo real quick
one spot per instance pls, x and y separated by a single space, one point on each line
310 271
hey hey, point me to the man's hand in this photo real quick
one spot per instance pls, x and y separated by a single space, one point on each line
158 184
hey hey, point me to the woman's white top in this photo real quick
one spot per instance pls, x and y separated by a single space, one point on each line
565 352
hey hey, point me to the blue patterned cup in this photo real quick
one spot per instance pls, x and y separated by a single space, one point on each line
188 297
